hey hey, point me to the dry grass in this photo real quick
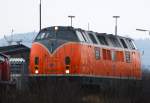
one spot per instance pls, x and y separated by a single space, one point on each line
69 92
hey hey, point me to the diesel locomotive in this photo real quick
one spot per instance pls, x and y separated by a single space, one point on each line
68 52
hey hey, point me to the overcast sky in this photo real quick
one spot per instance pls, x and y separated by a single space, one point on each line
23 15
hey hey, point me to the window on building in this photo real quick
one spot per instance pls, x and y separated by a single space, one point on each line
123 43
97 53
92 38
115 42
128 56
102 40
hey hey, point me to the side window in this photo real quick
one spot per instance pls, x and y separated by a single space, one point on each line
87 37
97 53
106 54
93 38
134 46
102 40
83 36
115 42
123 43
120 56
36 60
113 55
128 56
80 36
131 44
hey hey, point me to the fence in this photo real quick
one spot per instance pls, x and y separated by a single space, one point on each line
19 72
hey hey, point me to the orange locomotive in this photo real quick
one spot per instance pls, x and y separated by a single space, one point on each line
68 52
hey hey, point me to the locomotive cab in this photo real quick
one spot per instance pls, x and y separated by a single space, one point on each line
53 50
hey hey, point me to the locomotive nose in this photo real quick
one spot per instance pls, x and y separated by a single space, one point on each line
52 44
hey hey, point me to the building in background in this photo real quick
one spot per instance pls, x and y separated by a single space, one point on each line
19 61
17 51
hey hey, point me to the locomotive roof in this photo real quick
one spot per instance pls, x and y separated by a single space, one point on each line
72 28
60 28
13 49
68 33
110 35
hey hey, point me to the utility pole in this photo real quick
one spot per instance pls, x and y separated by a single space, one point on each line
88 26
144 30
71 17
40 15
116 18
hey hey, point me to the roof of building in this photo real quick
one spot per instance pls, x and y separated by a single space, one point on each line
14 48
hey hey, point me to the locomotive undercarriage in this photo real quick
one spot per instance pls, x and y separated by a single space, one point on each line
82 82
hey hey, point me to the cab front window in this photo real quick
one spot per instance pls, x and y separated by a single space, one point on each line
60 34
45 34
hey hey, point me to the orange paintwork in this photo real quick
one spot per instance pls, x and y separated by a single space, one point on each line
84 62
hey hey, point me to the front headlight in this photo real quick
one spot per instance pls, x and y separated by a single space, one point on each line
67 71
36 71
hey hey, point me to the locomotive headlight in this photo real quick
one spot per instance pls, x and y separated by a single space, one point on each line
36 71
56 28
67 71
